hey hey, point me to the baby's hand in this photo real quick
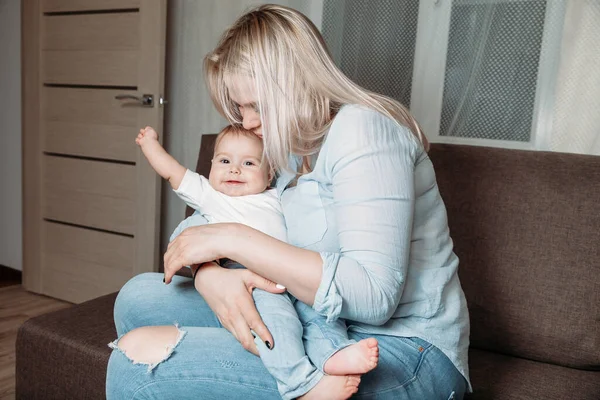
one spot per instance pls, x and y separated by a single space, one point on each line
146 134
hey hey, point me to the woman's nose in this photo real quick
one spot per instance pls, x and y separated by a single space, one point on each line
250 120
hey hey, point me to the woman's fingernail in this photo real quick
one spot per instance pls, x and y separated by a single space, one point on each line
278 286
268 344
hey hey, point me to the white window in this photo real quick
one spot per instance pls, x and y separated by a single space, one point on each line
480 72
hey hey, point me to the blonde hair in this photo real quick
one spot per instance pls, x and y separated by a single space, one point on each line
299 88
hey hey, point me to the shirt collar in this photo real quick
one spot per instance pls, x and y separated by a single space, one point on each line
285 177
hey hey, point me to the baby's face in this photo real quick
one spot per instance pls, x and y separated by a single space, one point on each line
236 168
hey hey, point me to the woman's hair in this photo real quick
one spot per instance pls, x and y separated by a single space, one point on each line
299 88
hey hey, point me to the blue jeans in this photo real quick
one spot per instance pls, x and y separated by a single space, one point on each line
209 363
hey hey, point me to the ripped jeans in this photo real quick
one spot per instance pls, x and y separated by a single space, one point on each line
207 362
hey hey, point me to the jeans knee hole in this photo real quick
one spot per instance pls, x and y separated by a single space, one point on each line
169 349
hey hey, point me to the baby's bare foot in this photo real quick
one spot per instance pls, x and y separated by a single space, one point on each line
358 358
333 388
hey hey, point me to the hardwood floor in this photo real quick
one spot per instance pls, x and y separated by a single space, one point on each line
16 306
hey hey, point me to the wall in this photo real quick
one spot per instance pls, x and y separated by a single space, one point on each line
11 243
194 28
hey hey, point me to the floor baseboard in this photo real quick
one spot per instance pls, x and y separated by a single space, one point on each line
10 276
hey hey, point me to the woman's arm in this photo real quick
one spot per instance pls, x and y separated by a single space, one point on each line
297 269
371 164
255 250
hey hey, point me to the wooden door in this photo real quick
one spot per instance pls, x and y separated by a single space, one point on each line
91 202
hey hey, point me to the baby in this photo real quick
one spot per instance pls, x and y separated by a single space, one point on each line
237 190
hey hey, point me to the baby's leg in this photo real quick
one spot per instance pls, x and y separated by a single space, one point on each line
196 219
286 360
329 348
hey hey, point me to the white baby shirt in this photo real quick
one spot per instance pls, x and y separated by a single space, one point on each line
259 211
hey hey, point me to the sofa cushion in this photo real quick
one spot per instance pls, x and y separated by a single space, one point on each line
496 376
64 354
526 227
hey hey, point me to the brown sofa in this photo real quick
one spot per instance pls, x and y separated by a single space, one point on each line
526 226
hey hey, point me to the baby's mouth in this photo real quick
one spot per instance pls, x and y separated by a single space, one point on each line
233 182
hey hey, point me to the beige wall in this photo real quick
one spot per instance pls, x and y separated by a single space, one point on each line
194 29
10 135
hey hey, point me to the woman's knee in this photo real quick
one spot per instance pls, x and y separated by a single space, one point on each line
146 348
132 296
149 344
134 289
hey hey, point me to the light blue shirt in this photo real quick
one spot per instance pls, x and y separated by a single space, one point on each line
372 209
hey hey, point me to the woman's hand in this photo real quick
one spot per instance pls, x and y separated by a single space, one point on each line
228 293
196 245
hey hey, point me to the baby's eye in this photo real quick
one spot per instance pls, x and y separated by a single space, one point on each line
224 161
249 163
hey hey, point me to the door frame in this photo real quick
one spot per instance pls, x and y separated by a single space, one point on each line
31 142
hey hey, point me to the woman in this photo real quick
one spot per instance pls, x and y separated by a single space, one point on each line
369 238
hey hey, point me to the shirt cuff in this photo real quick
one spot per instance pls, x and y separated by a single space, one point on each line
328 301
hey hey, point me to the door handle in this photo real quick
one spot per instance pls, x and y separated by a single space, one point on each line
147 100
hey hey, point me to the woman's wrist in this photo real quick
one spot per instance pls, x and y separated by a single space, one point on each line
203 273
230 241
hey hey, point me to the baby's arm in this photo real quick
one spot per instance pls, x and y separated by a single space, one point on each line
162 162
